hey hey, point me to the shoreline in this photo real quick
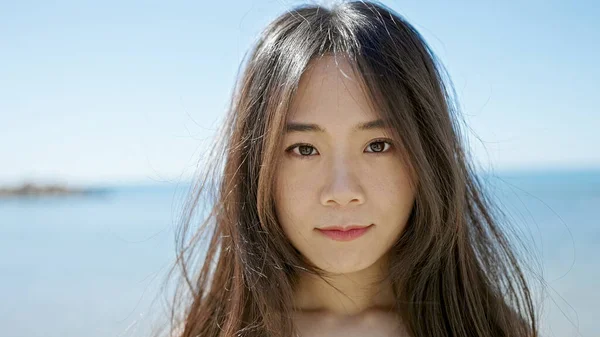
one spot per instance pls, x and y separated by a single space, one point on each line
30 189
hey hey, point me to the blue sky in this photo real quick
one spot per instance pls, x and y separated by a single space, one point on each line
123 91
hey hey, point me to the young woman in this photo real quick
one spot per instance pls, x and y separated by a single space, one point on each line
345 203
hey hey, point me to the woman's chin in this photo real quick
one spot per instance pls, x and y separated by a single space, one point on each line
344 265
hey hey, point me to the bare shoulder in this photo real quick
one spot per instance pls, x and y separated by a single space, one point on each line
372 324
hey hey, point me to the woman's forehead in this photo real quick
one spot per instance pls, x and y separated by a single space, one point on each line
330 90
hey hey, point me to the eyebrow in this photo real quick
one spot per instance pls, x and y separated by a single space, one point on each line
303 127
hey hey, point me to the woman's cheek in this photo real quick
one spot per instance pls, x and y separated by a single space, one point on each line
293 183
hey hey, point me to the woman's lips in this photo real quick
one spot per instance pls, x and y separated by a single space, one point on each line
344 235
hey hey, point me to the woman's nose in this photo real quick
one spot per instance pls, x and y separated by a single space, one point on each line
342 184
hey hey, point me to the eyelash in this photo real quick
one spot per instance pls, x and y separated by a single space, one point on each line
381 140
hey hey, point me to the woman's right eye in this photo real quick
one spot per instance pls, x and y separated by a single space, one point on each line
302 150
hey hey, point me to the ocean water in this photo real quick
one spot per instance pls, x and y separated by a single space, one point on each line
93 266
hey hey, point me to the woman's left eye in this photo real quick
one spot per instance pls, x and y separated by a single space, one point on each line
379 146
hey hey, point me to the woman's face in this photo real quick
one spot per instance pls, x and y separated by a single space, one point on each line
341 175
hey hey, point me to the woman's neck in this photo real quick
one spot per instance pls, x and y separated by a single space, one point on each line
359 292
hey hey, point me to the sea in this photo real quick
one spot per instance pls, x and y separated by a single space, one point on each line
96 265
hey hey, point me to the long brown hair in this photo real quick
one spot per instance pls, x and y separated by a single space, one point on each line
453 269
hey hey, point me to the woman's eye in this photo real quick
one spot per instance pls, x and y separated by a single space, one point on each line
303 150
379 146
